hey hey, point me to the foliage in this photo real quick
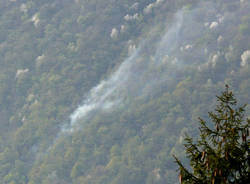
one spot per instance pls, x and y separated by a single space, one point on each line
53 52
221 155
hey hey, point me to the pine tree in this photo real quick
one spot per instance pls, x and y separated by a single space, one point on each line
221 154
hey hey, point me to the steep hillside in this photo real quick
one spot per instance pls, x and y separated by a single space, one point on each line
104 91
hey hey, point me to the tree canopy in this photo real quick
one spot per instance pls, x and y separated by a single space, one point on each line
53 53
221 155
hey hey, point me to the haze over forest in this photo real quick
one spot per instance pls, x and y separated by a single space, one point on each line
103 92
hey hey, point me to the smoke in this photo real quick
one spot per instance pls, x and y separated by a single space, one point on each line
155 61
106 94
170 40
133 78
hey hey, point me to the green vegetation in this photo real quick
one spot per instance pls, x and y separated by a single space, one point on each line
221 155
53 52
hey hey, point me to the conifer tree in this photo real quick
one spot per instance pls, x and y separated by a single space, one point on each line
221 154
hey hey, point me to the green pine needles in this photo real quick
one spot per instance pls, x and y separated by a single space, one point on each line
221 155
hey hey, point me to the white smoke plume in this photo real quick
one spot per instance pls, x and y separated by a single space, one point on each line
130 76
170 41
107 93
154 61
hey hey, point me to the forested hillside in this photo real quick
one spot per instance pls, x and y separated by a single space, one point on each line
103 92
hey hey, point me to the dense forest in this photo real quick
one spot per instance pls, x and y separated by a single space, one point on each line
103 92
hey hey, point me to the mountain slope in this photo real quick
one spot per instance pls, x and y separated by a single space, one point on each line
103 92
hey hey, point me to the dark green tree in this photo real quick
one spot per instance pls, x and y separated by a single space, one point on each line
221 154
